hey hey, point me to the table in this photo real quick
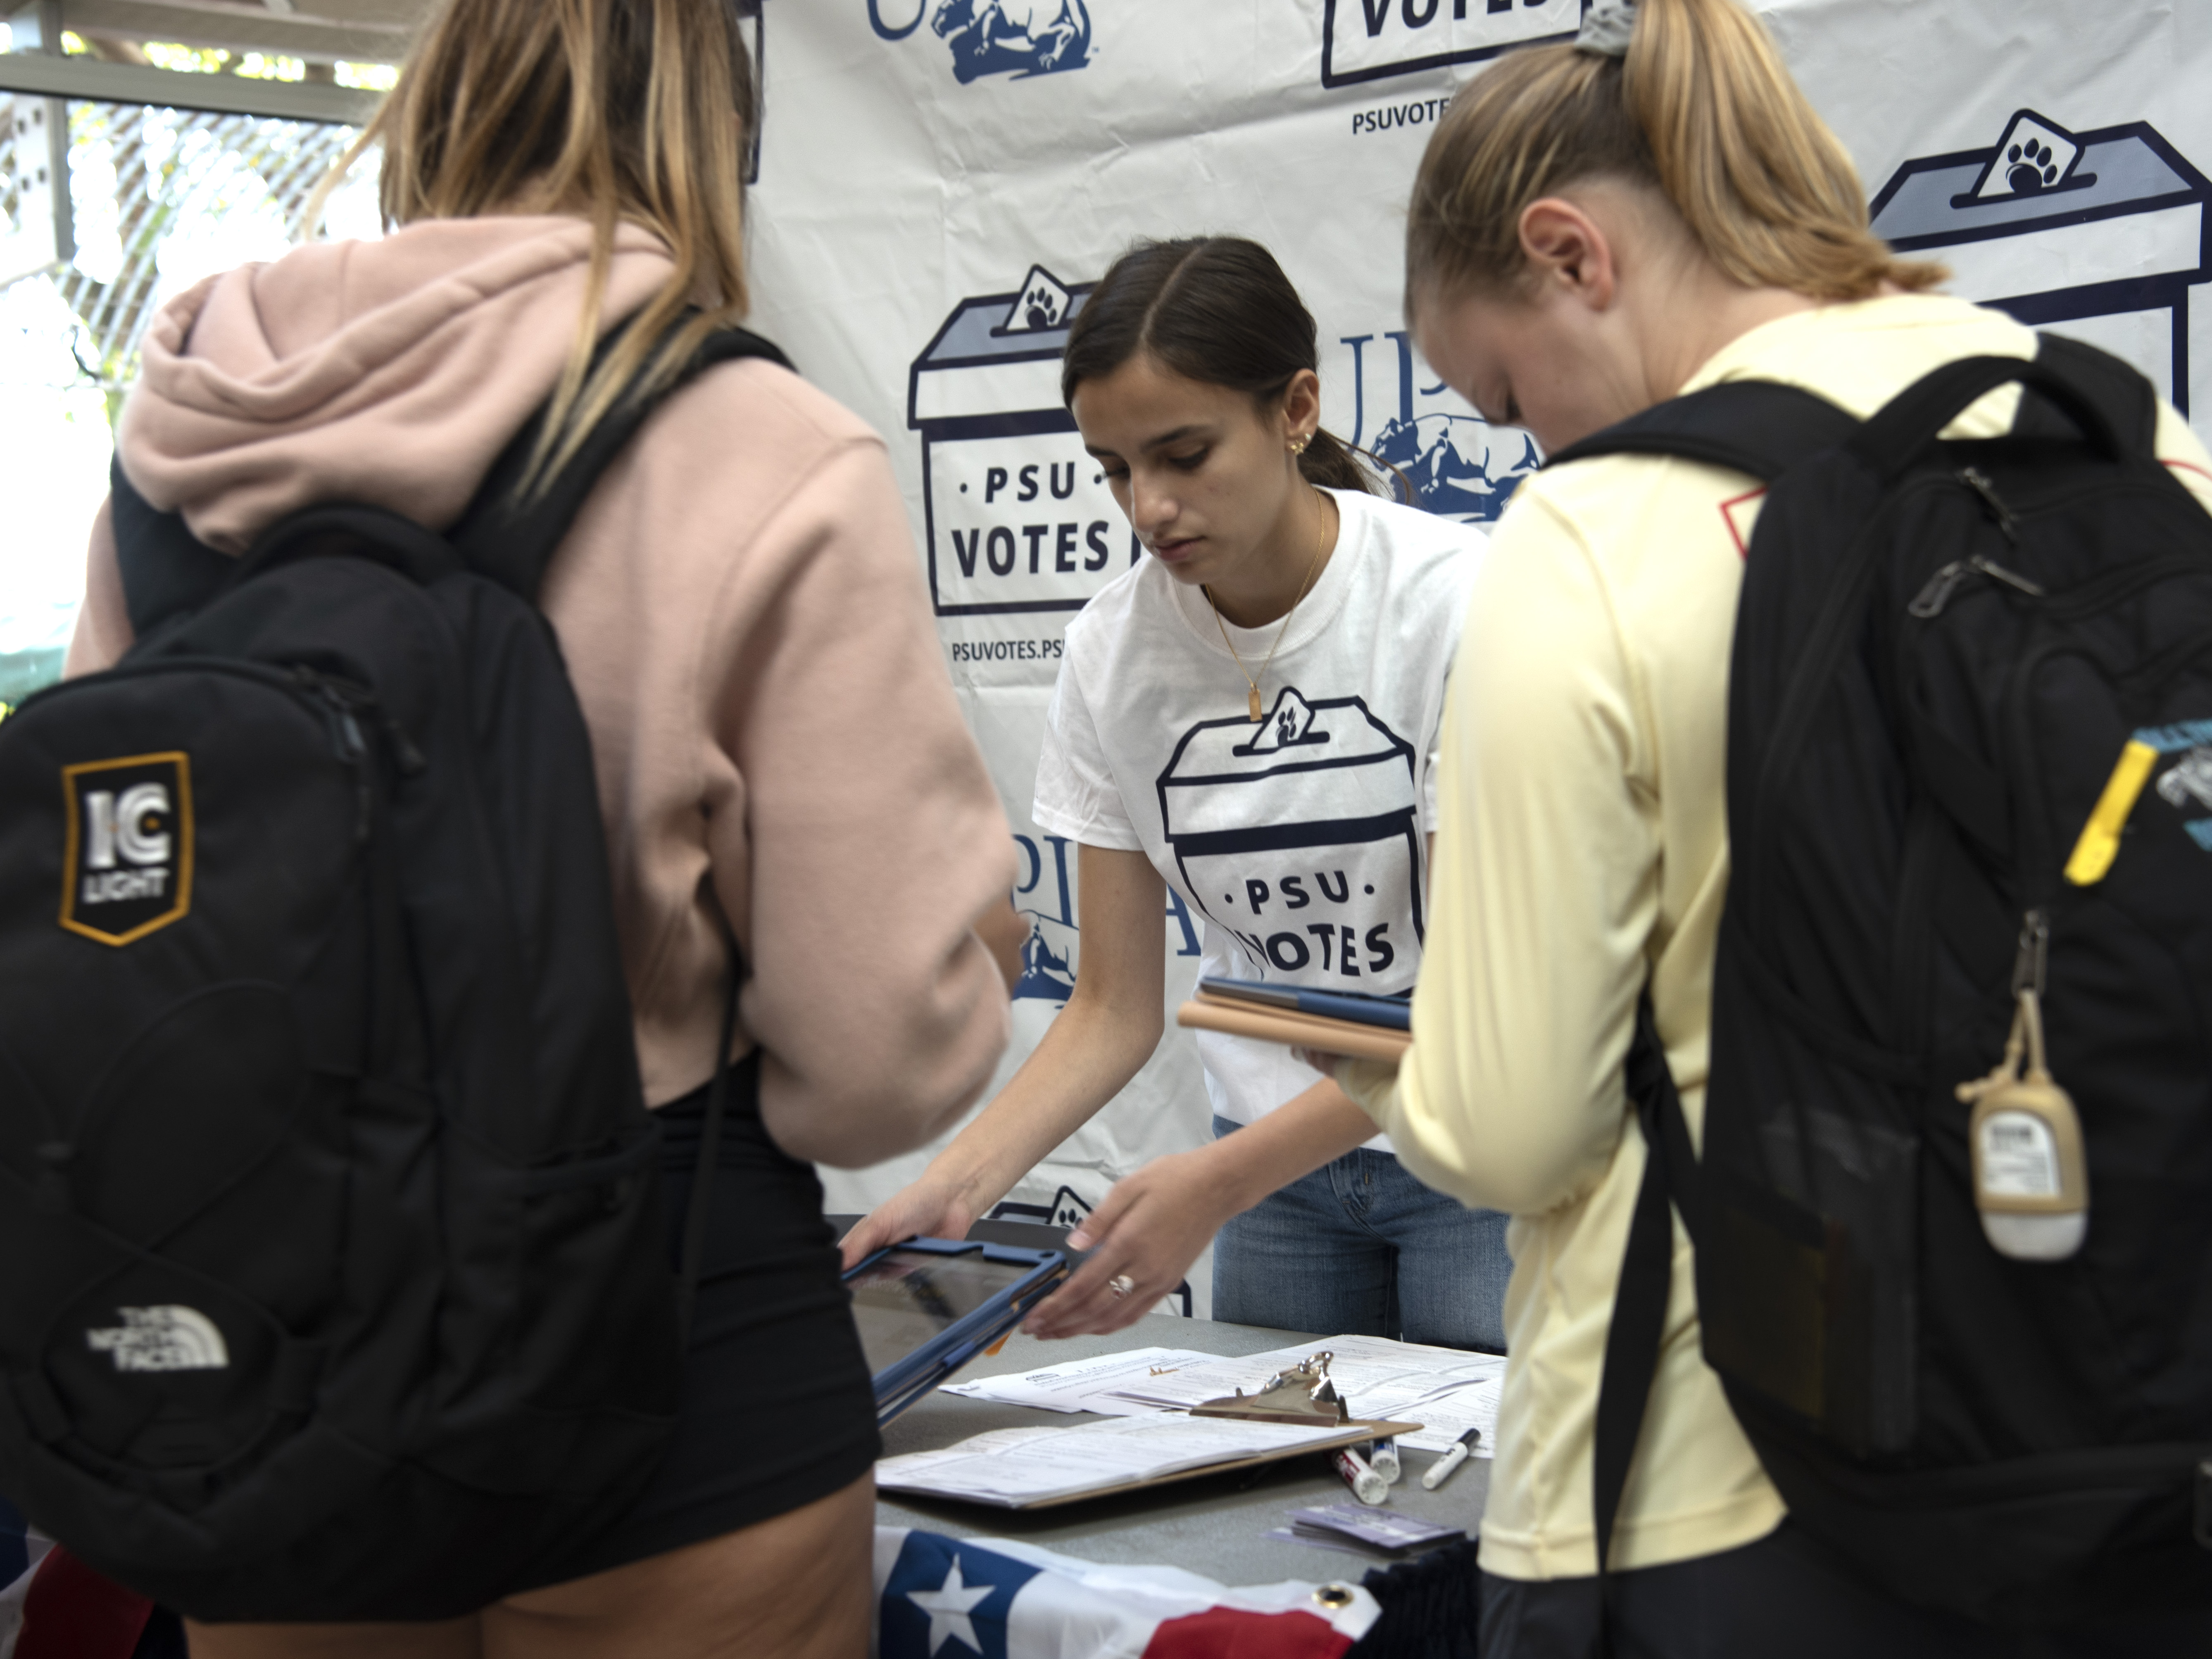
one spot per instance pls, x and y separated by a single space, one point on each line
1211 1524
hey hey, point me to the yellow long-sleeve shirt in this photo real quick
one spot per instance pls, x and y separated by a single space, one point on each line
1582 846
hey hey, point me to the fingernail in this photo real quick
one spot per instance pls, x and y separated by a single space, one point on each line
1079 1240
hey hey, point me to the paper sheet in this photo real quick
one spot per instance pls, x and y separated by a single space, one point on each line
1377 1377
1013 1467
1084 1385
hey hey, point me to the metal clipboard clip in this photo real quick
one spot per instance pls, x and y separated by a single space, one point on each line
1302 1394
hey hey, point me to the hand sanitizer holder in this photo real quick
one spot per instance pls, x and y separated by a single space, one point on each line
2031 1174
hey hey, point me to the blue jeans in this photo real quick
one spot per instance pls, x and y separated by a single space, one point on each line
1360 1247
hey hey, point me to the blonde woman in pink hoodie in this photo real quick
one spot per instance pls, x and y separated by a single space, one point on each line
775 739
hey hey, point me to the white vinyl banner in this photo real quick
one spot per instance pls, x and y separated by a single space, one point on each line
941 181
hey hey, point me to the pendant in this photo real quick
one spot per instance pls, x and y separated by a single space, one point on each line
1255 704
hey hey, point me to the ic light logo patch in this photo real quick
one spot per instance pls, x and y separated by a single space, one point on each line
127 869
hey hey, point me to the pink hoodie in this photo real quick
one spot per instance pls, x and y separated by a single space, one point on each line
744 619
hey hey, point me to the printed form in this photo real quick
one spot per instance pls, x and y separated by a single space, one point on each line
1446 1390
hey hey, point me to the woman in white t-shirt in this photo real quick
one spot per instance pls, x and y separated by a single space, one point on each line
1250 717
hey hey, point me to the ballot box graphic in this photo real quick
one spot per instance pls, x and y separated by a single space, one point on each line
1017 516
1300 835
2100 235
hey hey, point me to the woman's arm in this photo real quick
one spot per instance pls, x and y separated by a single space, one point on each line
1099 1042
856 840
1157 1221
1545 884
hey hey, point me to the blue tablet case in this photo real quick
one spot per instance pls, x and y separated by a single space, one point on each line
905 1381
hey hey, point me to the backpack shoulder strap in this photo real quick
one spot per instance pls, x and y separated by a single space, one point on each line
511 540
165 569
1760 428
2125 401
1633 1340
2081 393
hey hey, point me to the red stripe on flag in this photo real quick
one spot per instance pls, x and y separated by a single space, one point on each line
71 1613
1226 1633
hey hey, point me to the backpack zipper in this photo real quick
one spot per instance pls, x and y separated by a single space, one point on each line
1931 599
1978 481
341 703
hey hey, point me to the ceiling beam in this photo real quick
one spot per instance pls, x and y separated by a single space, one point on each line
229 94
368 32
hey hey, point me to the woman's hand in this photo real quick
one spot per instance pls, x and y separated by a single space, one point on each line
1325 1064
932 1207
1150 1228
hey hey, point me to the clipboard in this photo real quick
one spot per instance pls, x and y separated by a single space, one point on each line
1301 1396
1334 1037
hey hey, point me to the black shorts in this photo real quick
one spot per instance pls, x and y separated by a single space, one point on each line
777 1407
1786 1597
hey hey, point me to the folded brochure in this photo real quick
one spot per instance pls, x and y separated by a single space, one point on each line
1378 1529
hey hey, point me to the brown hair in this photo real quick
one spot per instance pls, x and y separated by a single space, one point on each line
622 111
1217 309
1702 109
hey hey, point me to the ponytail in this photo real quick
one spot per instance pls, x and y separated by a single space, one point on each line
1329 462
1702 109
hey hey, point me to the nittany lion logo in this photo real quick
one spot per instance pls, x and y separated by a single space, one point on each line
127 863
1459 466
999 37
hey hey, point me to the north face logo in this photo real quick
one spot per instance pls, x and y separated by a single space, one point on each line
127 869
167 1338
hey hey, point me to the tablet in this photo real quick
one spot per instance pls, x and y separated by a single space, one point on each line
928 1307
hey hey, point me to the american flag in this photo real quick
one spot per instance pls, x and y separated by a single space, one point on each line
961 1598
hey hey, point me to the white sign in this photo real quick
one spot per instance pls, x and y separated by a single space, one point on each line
943 180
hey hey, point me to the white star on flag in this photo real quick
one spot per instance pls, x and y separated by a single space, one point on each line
948 1607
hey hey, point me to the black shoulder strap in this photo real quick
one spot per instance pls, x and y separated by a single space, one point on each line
1760 427
165 569
512 540
2125 400
1639 1306
168 571
2081 394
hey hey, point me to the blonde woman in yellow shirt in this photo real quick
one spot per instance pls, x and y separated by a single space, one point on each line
1598 227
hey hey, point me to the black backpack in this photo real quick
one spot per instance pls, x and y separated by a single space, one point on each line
337 1283
1970 755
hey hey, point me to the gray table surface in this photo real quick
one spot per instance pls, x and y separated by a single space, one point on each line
1215 1525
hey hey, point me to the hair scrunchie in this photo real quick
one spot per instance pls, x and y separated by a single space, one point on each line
1606 28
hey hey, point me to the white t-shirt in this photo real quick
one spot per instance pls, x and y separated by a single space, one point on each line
1301 842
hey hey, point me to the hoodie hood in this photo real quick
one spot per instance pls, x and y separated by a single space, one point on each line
391 373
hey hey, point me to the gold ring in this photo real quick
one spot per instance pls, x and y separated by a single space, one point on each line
1120 1284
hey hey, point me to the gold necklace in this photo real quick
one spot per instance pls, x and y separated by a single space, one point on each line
1320 546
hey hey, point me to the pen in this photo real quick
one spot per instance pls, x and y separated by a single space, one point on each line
1440 1471
1384 1454
1367 1487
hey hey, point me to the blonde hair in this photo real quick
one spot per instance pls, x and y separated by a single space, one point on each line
1701 109
622 111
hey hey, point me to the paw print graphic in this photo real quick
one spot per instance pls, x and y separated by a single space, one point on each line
2033 166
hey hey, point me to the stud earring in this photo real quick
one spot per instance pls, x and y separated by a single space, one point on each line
1298 445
